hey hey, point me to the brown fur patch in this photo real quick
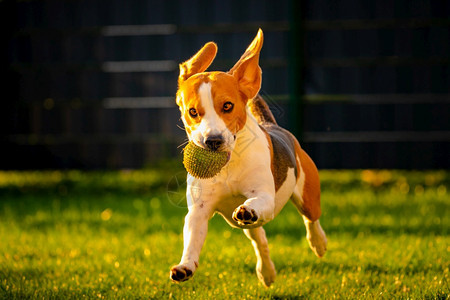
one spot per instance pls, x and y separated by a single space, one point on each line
282 154
311 188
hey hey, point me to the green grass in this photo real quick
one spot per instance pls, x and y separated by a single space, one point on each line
106 235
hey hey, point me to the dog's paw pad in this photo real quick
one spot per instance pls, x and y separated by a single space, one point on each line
245 216
180 273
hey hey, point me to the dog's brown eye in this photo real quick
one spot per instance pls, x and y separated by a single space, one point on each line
228 107
193 112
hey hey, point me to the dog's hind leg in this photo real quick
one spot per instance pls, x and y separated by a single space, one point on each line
306 197
314 233
316 237
265 269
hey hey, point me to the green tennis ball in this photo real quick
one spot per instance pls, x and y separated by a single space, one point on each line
203 163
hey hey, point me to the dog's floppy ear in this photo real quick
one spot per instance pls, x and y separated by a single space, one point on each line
199 62
247 70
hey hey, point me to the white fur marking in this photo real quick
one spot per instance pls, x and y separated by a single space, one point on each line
206 100
211 123
210 120
285 191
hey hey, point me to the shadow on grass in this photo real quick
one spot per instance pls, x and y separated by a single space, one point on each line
297 233
287 297
330 267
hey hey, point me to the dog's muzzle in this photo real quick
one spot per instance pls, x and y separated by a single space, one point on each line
214 142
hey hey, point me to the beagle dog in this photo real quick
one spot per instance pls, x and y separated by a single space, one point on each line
266 167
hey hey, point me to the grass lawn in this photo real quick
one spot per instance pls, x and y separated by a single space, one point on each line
116 234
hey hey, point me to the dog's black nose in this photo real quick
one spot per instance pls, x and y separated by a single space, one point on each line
214 142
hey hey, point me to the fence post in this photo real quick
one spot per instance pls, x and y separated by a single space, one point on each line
295 62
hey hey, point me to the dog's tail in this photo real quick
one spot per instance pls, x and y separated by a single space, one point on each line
261 111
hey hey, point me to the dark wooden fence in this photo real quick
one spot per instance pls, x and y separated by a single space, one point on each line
91 84
377 83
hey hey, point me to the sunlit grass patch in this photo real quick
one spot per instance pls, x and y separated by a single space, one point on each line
110 235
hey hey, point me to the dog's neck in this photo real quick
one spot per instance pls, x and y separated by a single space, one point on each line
250 138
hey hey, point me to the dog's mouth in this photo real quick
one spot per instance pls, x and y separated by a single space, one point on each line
228 156
215 143
222 148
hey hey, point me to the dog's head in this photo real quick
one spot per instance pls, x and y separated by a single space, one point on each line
212 104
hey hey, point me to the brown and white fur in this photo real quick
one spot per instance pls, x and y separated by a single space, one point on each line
267 167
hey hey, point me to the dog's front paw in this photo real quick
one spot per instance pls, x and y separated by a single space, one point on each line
245 215
181 273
